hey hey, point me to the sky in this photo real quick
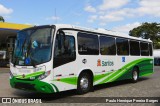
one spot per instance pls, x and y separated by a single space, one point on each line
116 15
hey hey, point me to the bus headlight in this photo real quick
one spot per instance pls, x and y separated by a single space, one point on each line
42 68
47 73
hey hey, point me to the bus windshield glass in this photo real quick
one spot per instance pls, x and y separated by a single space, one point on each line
33 46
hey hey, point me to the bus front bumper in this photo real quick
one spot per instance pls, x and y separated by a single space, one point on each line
32 85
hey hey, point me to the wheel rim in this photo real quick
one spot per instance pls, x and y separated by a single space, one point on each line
84 83
135 75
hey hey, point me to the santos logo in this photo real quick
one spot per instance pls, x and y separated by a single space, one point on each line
105 63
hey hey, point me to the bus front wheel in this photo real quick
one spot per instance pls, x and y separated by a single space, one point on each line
84 83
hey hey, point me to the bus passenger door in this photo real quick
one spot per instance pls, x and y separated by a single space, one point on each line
63 63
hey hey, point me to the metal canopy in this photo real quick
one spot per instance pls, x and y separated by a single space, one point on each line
10 30
4 34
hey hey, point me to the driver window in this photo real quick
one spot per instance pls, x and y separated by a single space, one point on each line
64 50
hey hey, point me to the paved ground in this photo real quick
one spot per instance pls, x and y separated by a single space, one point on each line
146 87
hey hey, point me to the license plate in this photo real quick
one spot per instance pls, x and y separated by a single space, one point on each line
25 71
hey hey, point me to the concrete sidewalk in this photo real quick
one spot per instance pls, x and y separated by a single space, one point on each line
4 69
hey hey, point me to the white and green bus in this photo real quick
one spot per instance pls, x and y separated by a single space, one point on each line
59 57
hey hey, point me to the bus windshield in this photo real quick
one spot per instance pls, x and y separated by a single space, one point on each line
33 46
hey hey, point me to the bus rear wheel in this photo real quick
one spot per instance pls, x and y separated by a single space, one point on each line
84 83
135 75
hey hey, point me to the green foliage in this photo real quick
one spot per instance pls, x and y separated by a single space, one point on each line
2 19
146 31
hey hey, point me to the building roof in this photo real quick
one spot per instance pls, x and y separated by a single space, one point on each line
13 26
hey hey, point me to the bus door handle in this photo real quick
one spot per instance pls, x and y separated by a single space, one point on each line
59 75
71 74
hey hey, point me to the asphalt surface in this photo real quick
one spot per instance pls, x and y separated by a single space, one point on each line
145 87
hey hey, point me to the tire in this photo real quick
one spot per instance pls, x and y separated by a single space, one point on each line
135 75
84 83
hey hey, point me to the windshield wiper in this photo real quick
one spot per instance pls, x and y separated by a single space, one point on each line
33 63
14 64
29 52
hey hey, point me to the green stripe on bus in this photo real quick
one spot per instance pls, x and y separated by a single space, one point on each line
112 76
147 74
69 80
98 77
116 74
57 90
30 75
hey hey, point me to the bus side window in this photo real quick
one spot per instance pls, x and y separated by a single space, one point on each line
107 45
64 50
88 44
144 49
134 48
122 46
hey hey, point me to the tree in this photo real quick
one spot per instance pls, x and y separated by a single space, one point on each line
2 19
148 31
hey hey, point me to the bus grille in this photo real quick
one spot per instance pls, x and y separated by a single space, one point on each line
25 79
24 86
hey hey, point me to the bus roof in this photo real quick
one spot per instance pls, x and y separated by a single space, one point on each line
100 31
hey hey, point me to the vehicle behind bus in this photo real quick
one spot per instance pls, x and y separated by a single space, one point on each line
3 59
156 54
